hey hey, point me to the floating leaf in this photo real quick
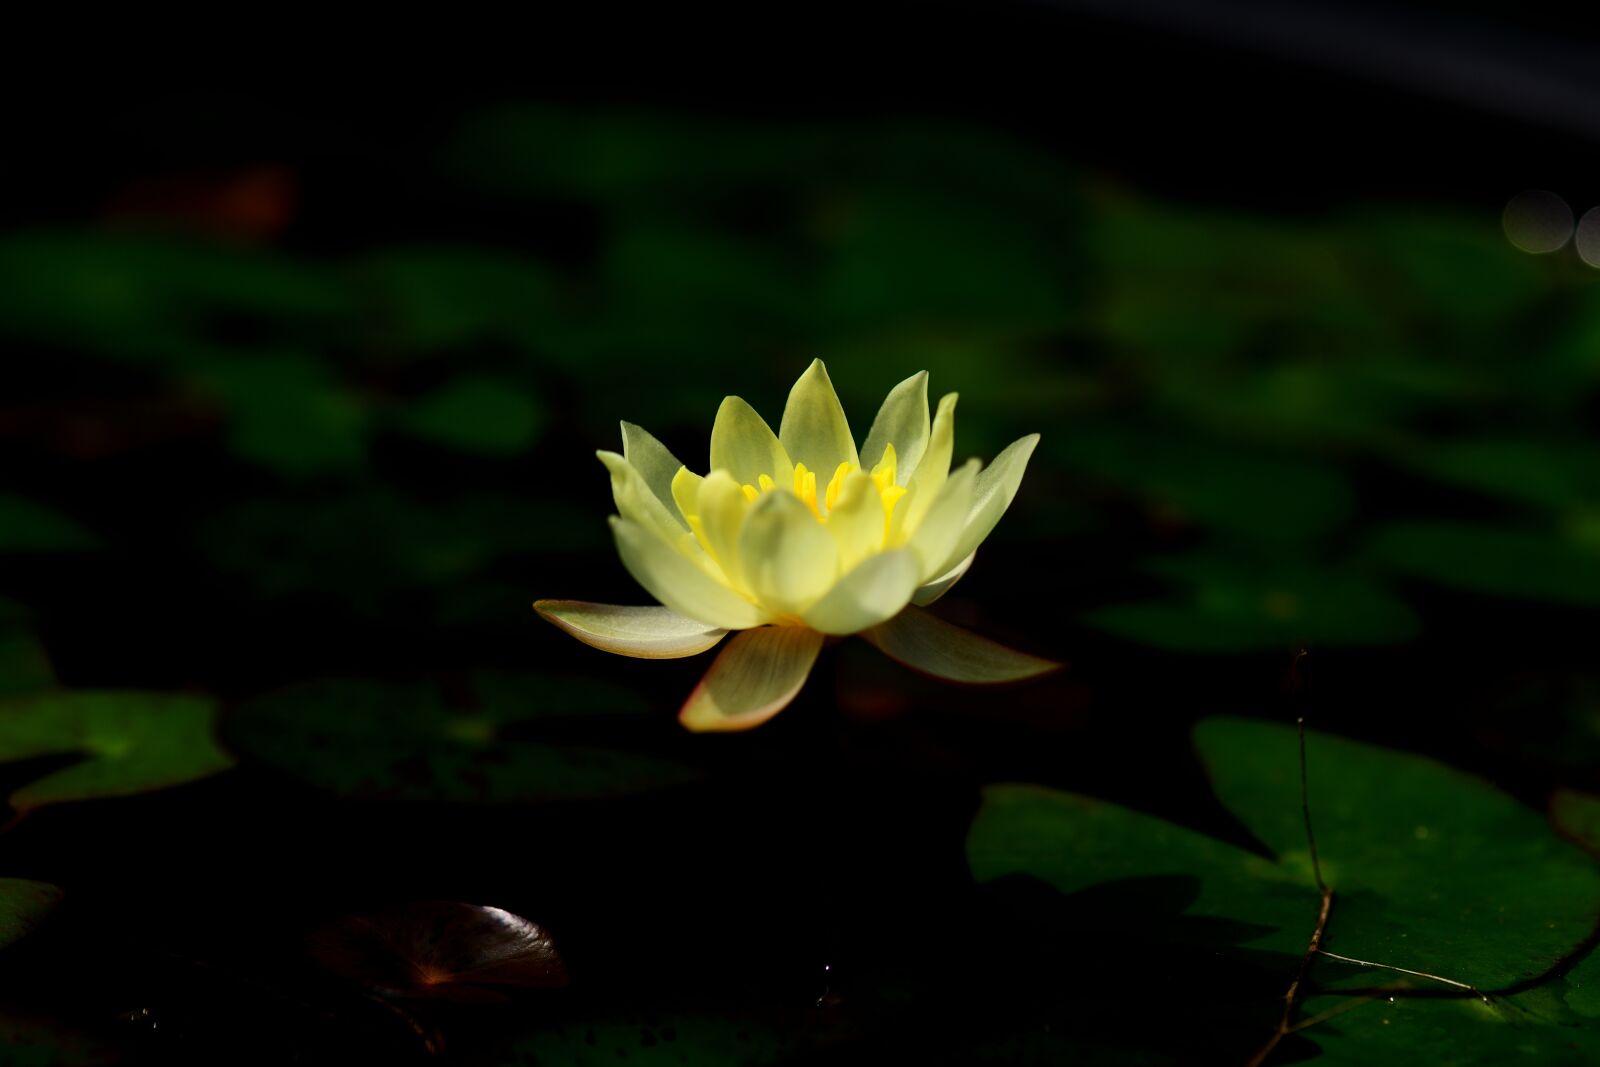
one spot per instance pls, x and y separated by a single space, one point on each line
1431 870
441 949
1488 559
1231 606
23 906
287 414
393 742
1560 475
132 742
477 414
439 297
28 526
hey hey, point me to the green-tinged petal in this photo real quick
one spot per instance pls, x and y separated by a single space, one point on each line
876 590
930 644
719 511
788 558
933 539
902 422
814 430
744 445
931 473
679 582
941 585
650 632
636 503
992 494
652 460
752 679
857 520
686 491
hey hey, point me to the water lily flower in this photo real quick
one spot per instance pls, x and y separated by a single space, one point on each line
797 536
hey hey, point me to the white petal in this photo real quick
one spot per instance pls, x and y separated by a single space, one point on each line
931 473
636 503
992 494
680 583
903 422
752 679
857 520
939 586
650 632
744 445
653 462
814 430
876 590
935 536
788 558
930 644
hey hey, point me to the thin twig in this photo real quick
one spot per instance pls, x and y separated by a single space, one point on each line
1404 970
1292 997
1305 791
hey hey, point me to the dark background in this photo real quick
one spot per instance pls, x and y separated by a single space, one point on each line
307 358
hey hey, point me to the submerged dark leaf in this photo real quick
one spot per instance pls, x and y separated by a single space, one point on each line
23 906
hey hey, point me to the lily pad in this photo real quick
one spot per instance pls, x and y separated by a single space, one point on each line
1431 870
1524 564
28 526
23 906
477 414
1230 606
440 949
395 742
132 742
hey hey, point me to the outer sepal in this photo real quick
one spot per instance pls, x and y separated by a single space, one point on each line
928 643
652 632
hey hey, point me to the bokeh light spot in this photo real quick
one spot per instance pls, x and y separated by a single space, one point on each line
1538 221
1589 237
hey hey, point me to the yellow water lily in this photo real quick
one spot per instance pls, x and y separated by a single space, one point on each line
796 536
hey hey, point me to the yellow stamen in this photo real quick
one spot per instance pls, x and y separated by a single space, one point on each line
836 484
805 487
750 492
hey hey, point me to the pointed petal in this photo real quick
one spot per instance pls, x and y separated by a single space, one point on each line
876 590
941 585
931 473
636 503
752 679
814 430
992 494
903 422
788 558
720 508
744 445
686 492
935 536
928 643
650 632
679 582
857 520
654 463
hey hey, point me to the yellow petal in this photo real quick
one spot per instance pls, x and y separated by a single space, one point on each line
992 494
928 643
814 430
686 492
936 535
679 583
857 520
934 589
876 590
755 676
787 556
651 632
720 509
934 468
744 445
653 462
636 503
902 423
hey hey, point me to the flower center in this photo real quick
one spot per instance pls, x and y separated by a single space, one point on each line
805 486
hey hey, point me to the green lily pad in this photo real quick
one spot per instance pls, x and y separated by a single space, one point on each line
477 414
287 414
405 743
1229 606
28 526
132 743
1431 869
23 906
1515 563
1549 474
